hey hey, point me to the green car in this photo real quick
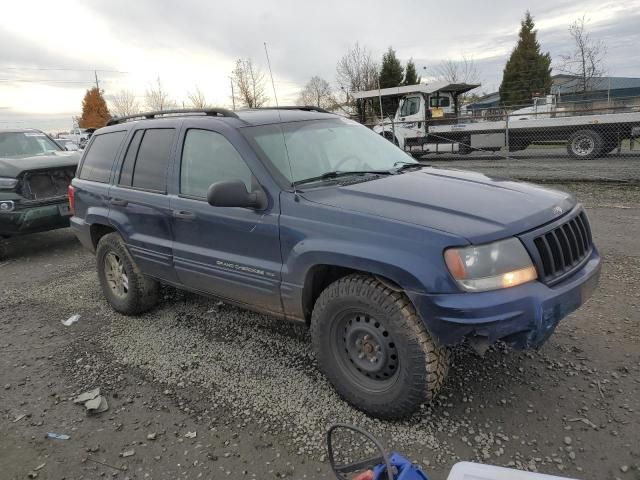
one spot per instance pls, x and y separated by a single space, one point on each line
34 175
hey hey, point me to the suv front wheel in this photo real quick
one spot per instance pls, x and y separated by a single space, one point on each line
374 349
127 290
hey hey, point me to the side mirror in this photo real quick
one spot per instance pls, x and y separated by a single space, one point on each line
233 193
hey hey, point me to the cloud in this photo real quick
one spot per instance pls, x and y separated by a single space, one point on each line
195 42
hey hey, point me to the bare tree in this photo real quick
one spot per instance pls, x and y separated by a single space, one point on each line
357 71
197 99
457 71
124 103
586 61
317 92
249 82
156 98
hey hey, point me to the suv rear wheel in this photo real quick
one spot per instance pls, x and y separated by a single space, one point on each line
374 349
127 290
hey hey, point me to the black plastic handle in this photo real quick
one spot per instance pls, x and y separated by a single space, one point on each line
184 215
118 202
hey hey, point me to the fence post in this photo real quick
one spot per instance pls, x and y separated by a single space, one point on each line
393 131
506 141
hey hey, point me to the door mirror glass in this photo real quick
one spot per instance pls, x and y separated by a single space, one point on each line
233 193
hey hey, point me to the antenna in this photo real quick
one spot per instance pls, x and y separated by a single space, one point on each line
284 140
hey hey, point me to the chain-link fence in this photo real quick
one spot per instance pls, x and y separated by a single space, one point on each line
549 138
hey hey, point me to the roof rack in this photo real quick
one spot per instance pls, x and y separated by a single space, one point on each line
305 108
211 112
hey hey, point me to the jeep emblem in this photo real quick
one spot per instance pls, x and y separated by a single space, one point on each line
557 210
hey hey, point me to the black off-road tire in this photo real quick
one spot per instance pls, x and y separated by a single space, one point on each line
421 365
142 291
585 144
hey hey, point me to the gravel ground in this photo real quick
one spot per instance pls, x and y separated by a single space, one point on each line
546 164
248 384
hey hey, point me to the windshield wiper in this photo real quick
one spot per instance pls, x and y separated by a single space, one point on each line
338 173
408 166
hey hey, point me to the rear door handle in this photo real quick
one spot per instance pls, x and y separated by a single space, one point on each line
184 215
118 202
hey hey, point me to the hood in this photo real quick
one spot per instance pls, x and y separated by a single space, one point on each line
14 166
473 206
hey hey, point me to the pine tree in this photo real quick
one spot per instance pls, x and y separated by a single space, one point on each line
528 70
95 113
410 75
391 71
390 76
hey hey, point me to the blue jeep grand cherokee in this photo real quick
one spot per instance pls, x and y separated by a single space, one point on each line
314 218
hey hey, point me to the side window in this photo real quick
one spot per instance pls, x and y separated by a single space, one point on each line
150 169
99 159
410 106
126 173
439 102
208 157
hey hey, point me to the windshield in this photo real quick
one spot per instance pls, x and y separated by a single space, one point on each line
26 144
321 146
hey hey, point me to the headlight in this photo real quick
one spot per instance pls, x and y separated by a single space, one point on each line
8 183
496 265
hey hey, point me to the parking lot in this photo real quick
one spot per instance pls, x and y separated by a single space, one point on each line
545 164
247 385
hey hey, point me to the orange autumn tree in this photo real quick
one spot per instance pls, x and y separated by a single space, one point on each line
95 113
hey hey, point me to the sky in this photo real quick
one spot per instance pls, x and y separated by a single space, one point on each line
49 51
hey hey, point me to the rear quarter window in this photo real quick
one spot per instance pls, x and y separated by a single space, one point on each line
100 157
150 169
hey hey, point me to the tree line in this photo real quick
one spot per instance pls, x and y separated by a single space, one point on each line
527 72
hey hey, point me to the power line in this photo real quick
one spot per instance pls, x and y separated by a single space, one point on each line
61 69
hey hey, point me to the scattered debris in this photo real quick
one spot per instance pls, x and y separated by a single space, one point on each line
600 389
586 421
624 468
32 474
93 401
40 467
19 417
128 453
58 436
152 436
96 405
105 464
71 320
90 395
190 435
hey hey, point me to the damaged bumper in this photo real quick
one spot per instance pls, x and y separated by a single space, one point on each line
523 316
21 217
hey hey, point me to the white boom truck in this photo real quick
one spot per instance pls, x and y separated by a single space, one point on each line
425 122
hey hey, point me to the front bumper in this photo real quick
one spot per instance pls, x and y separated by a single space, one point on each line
31 217
523 316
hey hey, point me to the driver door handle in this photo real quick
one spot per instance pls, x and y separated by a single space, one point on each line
118 202
184 215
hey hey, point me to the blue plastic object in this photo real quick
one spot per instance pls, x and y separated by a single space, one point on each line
405 469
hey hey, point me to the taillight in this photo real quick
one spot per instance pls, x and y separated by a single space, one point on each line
71 194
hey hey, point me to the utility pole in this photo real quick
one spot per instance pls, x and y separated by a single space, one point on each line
95 73
233 95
